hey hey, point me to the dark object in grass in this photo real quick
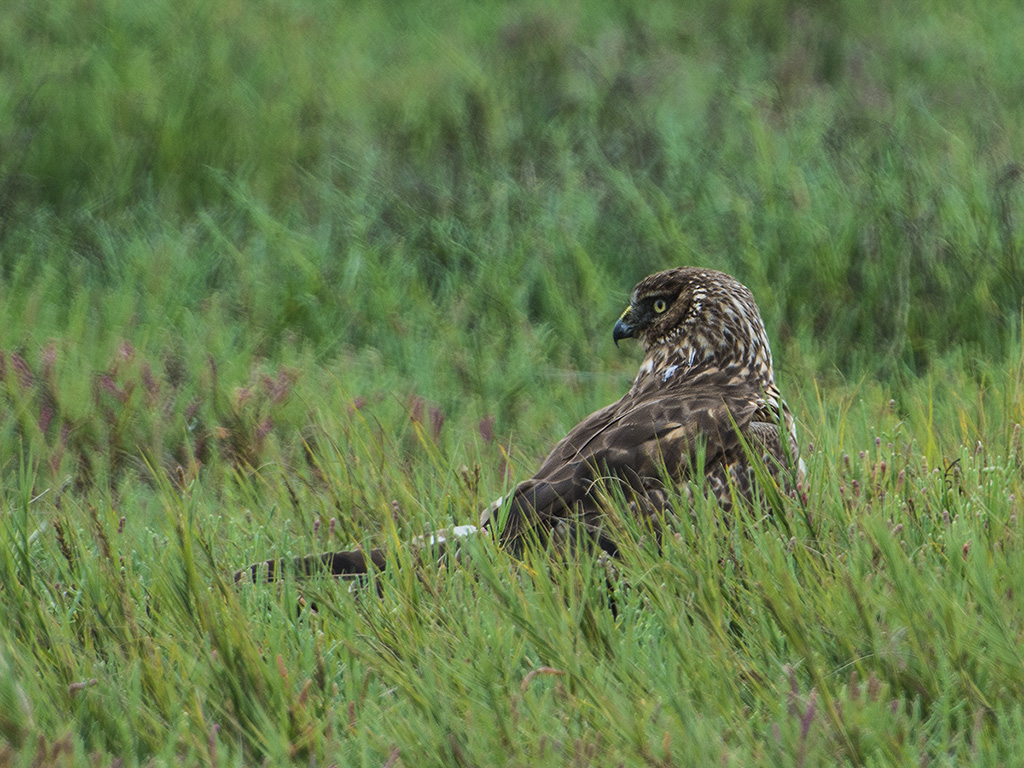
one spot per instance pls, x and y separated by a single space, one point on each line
351 562
703 404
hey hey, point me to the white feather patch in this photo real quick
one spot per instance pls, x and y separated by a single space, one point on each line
439 537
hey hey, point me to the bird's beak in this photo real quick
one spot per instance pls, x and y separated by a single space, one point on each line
623 328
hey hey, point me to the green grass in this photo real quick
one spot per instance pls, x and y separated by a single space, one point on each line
282 277
875 622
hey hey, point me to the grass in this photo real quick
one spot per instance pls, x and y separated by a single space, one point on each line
278 278
877 622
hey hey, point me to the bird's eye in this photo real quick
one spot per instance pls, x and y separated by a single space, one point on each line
660 306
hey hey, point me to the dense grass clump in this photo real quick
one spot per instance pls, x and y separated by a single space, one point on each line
873 619
282 277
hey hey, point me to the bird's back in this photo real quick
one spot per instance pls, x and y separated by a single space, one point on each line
681 432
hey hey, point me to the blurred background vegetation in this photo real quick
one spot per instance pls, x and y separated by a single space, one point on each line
454 200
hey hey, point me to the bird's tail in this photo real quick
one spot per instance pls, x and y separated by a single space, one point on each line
351 563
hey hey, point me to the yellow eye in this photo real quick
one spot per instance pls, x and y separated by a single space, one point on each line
660 306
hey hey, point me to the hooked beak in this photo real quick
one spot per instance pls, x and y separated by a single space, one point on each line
624 327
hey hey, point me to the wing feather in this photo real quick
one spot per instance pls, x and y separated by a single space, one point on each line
635 441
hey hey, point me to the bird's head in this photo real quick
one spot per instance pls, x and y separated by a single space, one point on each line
691 320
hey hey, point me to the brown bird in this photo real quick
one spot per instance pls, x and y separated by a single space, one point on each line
705 396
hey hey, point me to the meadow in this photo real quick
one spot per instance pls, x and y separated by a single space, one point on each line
287 276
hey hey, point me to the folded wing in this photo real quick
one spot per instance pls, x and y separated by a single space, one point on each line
635 443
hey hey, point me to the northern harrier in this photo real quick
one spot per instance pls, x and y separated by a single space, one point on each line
706 381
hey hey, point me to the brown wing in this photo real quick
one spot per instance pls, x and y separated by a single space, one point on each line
635 442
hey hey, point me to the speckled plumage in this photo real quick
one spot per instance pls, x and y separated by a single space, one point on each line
706 380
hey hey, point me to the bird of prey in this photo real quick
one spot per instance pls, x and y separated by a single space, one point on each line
704 400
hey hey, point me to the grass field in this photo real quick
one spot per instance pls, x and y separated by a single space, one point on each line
285 276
